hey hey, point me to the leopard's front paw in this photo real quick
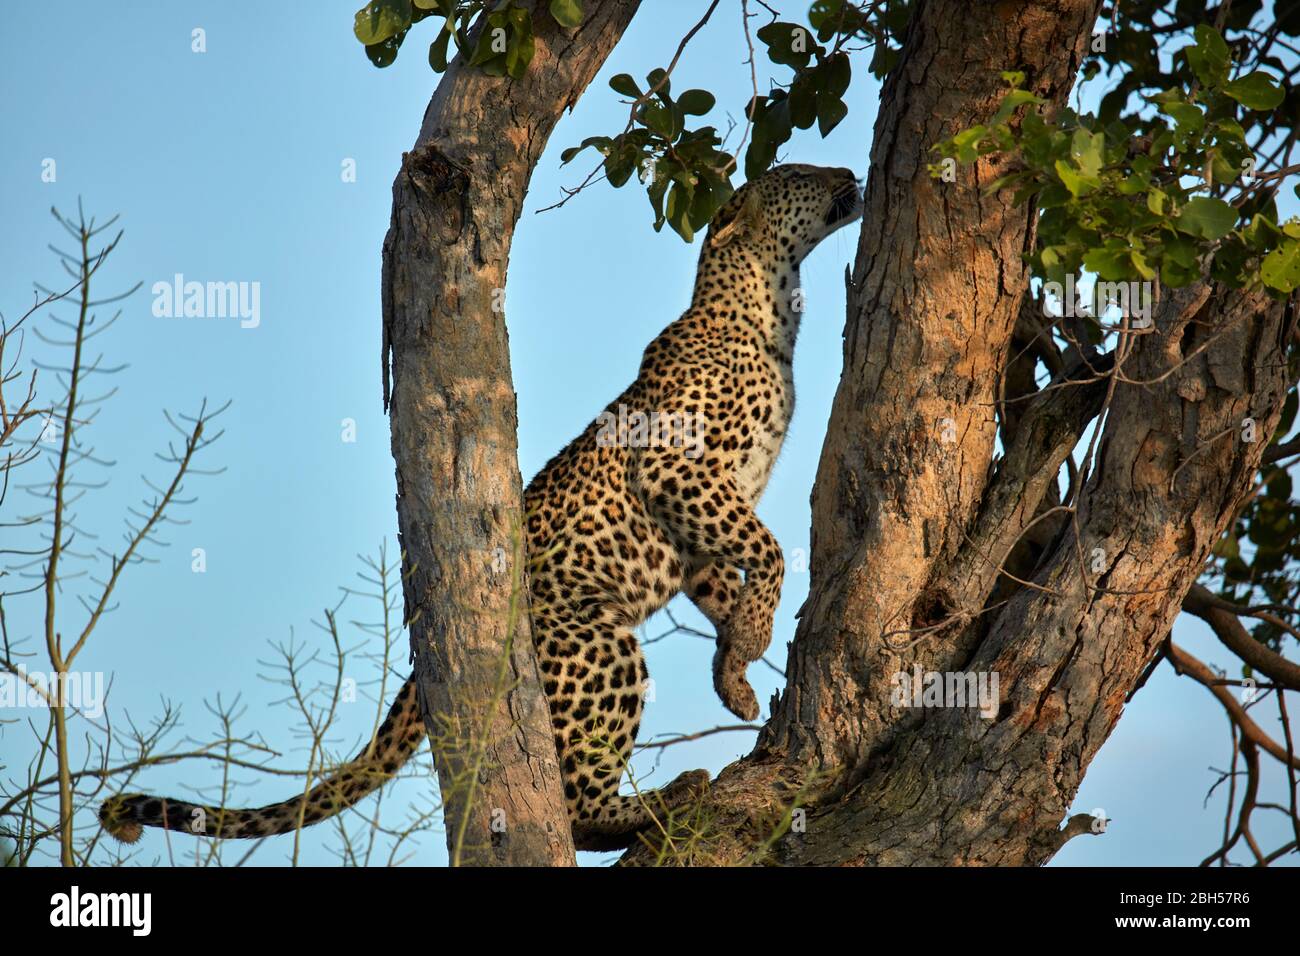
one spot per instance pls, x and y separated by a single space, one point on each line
732 687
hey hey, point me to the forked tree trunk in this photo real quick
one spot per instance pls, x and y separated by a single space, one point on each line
456 200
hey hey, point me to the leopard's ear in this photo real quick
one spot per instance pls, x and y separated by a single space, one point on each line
733 222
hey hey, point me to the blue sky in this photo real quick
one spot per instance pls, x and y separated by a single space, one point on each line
226 166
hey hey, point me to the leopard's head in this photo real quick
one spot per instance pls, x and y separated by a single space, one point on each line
783 214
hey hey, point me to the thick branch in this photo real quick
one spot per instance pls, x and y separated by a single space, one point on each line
1229 629
1044 438
956 787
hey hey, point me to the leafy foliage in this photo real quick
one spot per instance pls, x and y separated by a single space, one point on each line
822 74
691 173
503 47
686 173
687 176
1174 173
1136 197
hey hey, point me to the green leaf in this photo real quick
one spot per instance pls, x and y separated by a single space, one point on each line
624 84
567 13
1228 130
602 143
1110 264
1256 91
1141 265
1180 251
1207 217
1131 186
621 162
824 13
438 51
1261 234
1188 117
830 110
489 45
655 78
965 145
1209 57
380 19
678 212
658 118
696 102
1176 276
1087 149
655 191
758 157
383 54
1012 102
803 101
1280 269
703 204
839 74
1222 170
788 43
774 124
1077 184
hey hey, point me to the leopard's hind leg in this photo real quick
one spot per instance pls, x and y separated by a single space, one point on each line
595 679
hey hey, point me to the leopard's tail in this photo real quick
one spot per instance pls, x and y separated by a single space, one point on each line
400 735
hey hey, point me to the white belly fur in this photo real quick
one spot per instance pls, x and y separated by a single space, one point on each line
754 471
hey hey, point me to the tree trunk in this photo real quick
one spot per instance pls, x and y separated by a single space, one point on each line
912 518
456 200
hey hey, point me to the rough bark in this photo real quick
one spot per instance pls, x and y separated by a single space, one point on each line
911 515
1229 629
954 788
937 285
456 201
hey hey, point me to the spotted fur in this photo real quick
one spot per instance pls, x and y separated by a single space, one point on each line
620 521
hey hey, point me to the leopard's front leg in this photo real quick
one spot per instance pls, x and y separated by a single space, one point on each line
713 588
747 633
724 527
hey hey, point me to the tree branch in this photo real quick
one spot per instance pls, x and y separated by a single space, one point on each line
1228 629
1185 663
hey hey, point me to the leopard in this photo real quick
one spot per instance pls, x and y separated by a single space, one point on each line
655 498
